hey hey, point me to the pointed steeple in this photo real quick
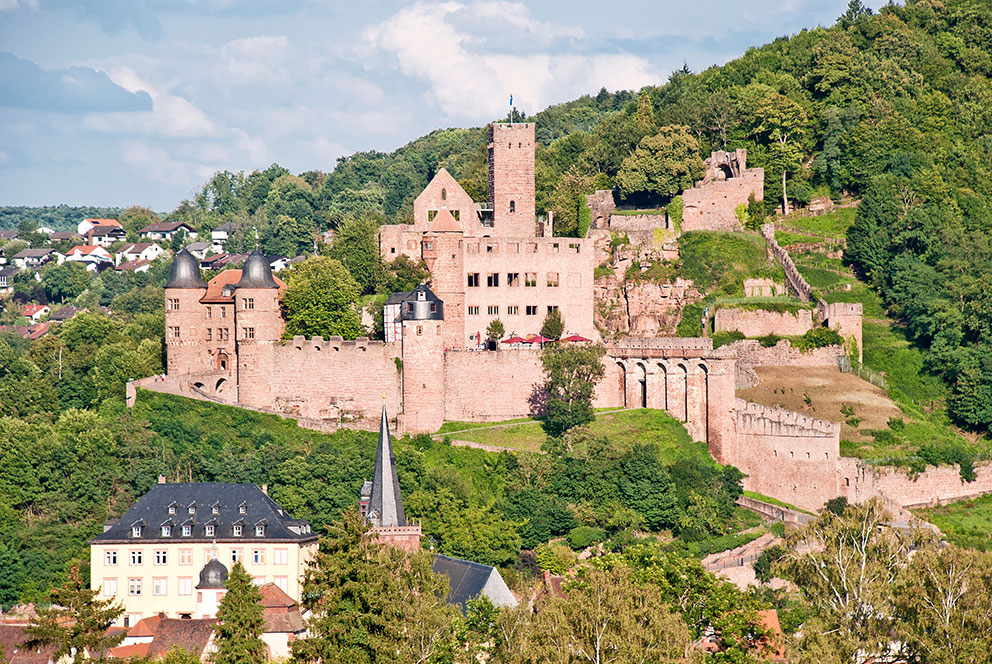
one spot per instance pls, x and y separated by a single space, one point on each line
386 503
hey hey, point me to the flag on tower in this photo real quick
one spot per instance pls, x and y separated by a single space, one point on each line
511 99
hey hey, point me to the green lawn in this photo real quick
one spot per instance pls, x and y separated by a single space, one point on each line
785 238
634 213
834 224
967 524
718 263
820 278
622 428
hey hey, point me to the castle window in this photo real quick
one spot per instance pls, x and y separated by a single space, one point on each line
210 334
173 331
492 310
512 279
553 247
258 555
428 245
492 280
473 280
807 455
530 279
392 250
236 554
260 530
161 557
134 587
552 308
249 303
210 312
430 215
223 312
573 247
512 310
444 194
433 307
173 304
187 531
532 247
135 531
826 455
110 558
249 332
513 207
492 248
420 330
166 531
159 586
552 280
531 310
473 311
136 558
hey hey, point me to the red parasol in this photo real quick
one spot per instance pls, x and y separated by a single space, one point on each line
515 340
576 337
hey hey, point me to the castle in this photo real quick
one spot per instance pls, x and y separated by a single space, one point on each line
497 260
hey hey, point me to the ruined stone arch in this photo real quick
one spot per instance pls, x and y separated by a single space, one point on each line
663 380
641 389
682 377
221 384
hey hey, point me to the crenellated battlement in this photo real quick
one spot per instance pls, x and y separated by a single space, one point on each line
768 420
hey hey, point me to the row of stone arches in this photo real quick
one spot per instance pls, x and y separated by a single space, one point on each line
681 387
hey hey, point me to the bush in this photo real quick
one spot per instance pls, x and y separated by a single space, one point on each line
726 337
763 565
555 558
675 210
818 337
836 505
769 340
583 537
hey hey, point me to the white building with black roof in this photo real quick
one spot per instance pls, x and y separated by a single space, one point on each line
150 559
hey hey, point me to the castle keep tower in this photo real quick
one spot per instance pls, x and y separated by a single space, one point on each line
183 317
422 315
258 321
511 179
384 509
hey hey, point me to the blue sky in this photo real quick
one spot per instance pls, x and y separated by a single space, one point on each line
122 102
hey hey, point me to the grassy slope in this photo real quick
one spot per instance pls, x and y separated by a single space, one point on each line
622 428
967 524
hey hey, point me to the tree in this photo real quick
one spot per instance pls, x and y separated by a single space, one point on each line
495 331
239 621
606 616
571 373
356 245
371 603
567 201
662 165
553 326
65 281
135 218
321 299
75 622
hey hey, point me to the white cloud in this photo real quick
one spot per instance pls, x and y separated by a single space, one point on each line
171 115
156 164
255 58
11 5
423 41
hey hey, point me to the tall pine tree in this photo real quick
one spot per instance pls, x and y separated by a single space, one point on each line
239 622
75 622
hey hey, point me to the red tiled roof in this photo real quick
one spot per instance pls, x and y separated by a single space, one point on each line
133 265
133 650
216 285
776 647
273 595
83 249
104 222
11 639
145 626
32 309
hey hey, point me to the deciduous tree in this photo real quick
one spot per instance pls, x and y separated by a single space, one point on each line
571 373
321 299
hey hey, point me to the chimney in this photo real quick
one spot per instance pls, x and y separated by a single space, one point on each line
265 489
161 479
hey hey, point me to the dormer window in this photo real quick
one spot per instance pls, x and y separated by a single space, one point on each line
172 508
237 530
187 531
135 531
209 530
166 531
215 508
260 530
191 509
243 508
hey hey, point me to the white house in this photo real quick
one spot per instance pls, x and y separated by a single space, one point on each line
201 249
7 279
93 257
164 230
144 251
86 225
104 236
35 312
35 258
222 232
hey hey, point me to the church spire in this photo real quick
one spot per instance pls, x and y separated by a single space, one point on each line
386 503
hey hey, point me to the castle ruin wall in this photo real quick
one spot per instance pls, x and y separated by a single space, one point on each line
760 323
709 206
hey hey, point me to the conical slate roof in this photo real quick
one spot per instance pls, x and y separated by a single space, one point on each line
185 272
386 504
256 273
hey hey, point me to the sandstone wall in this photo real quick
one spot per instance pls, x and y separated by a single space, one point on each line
511 179
488 386
624 223
797 284
936 486
759 323
785 455
750 353
321 379
641 309
709 206
601 206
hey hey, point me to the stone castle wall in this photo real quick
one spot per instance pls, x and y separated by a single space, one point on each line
760 323
709 206
490 386
797 284
628 223
750 353
859 481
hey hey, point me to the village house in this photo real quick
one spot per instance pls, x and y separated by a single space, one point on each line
201 249
165 554
8 234
65 313
35 312
136 266
94 257
105 235
32 259
165 230
7 279
134 251
223 232
86 225
66 236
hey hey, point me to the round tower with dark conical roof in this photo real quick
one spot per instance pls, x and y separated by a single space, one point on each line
211 588
258 320
184 330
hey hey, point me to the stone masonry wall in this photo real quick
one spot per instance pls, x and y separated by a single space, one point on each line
935 486
796 282
759 323
710 206
785 455
490 386
511 179
624 223
750 353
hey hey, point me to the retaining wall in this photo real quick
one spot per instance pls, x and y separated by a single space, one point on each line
759 323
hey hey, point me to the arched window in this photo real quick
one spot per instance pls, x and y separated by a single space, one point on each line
444 194
513 207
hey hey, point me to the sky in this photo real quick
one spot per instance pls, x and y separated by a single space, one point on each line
138 102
